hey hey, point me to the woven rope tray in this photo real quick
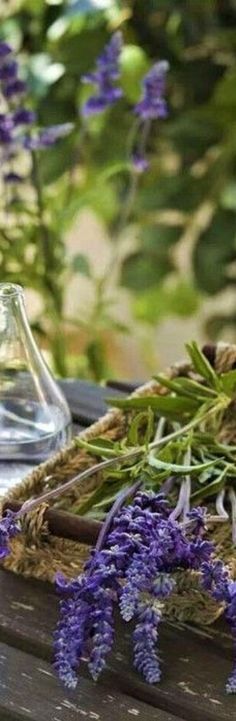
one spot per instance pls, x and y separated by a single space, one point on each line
36 552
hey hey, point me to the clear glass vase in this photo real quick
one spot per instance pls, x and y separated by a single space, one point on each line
35 419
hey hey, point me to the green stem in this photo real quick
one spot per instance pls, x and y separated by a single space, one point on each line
133 453
51 275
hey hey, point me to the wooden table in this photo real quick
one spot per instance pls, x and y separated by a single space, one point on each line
195 663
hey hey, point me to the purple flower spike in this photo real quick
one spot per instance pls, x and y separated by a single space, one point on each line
5 50
145 639
16 87
106 73
22 116
8 71
103 631
48 136
153 104
5 136
9 527
140 163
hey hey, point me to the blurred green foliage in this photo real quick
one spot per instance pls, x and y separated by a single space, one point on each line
192 161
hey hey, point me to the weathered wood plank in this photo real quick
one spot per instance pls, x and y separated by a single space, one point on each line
195 665
29 690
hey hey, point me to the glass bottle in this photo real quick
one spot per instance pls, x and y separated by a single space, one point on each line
35 419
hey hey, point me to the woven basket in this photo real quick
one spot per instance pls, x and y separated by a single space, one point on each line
37 553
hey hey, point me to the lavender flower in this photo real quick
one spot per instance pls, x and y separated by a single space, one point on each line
153 104
139 162
69 639
9 527
217 582
23 116
102 625
17 123
106 74
5 50
15 87
145 637
48 136
8 70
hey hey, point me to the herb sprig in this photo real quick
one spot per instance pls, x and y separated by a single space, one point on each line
191 410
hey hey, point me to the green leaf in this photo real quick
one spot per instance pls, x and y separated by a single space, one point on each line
210 489
159 236
80 264
214 251
166 405
172 297
178 387
175 468
202 366
141 270
195 388
145 418
180 192
99 447
228 381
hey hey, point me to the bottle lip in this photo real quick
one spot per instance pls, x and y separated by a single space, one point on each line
10 290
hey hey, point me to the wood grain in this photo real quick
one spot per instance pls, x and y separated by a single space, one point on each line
195 664
30 690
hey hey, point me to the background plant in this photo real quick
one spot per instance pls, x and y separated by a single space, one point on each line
188 197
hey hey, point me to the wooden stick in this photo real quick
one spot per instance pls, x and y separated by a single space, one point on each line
65 525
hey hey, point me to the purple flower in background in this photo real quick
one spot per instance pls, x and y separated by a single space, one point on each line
17 123
8 70
153 104
16 87
140 163
106 74
5 50
23 116
47 136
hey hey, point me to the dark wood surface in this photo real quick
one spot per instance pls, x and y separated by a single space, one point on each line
195 662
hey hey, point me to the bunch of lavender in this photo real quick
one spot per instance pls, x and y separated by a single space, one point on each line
133 566
135 570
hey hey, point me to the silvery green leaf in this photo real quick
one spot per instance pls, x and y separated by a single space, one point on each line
175 468
202 366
